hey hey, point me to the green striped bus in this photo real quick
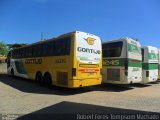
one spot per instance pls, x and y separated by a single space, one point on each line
122 61
150 64
159 64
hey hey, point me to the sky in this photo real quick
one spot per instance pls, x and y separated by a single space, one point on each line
23 21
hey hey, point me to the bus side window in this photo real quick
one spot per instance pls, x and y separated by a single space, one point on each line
63 44
103 50
12 53
24 52
34 51
67 46
58 47
39 50
17 53
53 49
50 48
30 51
20 52
44 47
27 52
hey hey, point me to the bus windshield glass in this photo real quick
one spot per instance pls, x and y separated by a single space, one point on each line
112 49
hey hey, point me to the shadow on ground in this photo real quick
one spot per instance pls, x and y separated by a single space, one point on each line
29 86
112 87
146 85
157 82
141 85
72 111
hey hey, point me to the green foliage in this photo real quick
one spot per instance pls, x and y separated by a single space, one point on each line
3 49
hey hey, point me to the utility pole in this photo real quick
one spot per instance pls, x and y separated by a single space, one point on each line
42 33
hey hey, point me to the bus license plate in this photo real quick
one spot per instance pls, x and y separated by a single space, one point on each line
91 73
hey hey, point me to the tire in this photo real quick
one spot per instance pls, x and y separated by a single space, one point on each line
12 72
48 80
39 79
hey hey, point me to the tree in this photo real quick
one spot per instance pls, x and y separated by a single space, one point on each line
3 49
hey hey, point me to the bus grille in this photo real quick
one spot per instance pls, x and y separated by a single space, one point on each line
113 74
62 78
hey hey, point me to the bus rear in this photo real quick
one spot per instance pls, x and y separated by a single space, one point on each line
122 61
158 63
150 64
87 62
134 65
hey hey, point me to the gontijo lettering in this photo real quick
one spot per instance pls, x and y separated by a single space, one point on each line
87 50
33 61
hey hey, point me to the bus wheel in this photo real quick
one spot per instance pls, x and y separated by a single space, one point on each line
39 79
12 72
47 80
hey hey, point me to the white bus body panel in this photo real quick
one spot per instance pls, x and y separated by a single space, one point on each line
153 74
133 76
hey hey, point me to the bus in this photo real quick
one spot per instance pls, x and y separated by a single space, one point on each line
149 64
159 64
70 60
122 61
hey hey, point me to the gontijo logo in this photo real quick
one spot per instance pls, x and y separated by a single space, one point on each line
90 40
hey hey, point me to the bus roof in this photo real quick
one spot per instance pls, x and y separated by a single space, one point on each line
60 36
77 32
150 47
127 39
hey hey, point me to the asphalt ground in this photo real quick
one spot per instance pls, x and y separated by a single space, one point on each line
24 99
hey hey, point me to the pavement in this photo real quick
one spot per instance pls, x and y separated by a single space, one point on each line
28 100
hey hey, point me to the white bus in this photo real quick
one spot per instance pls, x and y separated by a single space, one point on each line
158 63
122 61
150 64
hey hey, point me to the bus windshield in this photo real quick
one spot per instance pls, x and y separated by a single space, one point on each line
112 49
